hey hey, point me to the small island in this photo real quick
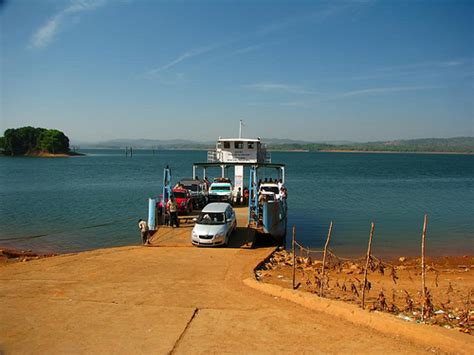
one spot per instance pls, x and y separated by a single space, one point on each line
35 142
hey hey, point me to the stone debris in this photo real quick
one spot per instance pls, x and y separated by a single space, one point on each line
342 281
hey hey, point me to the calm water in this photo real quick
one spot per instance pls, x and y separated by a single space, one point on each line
90 202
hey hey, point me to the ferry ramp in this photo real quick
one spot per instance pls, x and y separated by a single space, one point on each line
171 298
165 300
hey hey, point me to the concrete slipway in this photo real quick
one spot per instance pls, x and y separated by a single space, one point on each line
166 300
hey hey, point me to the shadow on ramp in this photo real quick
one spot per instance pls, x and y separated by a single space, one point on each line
249 238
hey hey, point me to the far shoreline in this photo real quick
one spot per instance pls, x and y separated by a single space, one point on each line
302 151
389 152
44 155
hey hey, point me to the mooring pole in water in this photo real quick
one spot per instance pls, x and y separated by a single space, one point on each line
294 258
423 268
369 249
151 214
324 260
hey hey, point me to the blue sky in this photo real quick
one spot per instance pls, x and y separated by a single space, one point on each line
311 70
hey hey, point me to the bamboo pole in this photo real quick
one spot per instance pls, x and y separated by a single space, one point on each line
324 260
423 268
369 248
294 258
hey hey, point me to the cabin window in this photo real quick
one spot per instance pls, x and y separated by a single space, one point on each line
239 145
250 145
226 145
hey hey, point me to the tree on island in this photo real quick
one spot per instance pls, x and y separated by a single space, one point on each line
31 140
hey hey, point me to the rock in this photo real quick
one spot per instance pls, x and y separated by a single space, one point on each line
402 259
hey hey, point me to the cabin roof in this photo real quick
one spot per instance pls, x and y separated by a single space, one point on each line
239 139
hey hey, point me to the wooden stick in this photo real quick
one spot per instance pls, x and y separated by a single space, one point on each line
369 248
423 268
294 259
468 308
324 259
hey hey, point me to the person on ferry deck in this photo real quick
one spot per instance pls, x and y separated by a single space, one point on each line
173 209
280 184
246 195
238 197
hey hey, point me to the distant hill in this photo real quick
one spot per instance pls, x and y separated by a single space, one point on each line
456 144
278 141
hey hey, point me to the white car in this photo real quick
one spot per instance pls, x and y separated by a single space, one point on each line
220 192
215 224
270 189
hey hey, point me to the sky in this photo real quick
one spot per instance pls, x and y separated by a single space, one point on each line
359 70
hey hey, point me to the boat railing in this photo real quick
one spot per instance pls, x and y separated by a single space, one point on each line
212 156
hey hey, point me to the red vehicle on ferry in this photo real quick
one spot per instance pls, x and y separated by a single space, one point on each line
183 199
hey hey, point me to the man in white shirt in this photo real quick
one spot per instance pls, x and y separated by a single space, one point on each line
173 209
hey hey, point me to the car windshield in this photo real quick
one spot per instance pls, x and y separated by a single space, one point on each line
220 188
211 218
191 187
179 194
273 189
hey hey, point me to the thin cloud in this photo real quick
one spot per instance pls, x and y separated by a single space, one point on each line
302 104
46 33
317 16
423 65
278 87
248 49
413 70
181 58
380 90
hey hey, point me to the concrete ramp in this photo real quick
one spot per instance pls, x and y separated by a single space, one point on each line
166 236
172 237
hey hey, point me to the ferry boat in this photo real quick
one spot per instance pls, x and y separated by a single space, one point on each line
249 157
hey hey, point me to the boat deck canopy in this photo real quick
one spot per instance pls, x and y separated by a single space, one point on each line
220 164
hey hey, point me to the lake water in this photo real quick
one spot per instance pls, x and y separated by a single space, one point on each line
82 203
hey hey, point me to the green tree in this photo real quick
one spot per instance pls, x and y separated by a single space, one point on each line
53 141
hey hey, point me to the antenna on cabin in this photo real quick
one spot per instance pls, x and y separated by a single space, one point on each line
240 128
